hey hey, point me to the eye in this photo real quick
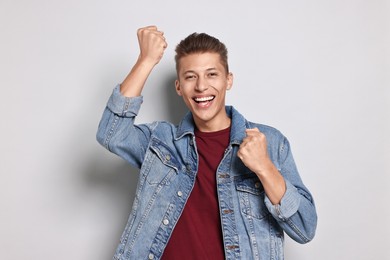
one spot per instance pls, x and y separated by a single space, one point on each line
189 77
212 74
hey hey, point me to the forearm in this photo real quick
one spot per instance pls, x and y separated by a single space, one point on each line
134 82
152 45
287 198
253 153
273 182
296 213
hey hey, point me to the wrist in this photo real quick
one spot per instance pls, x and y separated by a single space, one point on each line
145 63
265 167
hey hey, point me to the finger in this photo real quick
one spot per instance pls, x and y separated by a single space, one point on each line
154 29
252 130
150 27
154 35
156 32
254 133
145 29
250 136
240 155
244 141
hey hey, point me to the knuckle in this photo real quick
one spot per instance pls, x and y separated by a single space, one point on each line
140 31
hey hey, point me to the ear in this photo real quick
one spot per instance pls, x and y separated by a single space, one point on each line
177 86
229 81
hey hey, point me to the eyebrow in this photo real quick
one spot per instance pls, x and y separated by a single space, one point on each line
192 71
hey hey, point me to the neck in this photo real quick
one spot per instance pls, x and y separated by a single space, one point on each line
212 126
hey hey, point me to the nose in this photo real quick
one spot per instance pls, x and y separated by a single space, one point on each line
201 84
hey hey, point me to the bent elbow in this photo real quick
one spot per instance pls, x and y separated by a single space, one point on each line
307 233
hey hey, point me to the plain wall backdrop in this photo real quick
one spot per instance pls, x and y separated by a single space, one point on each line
316 70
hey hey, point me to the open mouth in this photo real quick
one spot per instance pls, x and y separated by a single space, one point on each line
200 100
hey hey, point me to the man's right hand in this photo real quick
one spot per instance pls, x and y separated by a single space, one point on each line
152 44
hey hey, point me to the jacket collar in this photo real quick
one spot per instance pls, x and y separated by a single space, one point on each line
237 132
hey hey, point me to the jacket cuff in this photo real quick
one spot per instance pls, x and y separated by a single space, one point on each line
288 205
124 106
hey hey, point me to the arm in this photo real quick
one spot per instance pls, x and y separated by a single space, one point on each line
152 45
253 153
287 198
117 131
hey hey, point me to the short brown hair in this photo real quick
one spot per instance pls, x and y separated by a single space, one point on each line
201 43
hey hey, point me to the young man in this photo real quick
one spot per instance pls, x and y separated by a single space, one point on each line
214 187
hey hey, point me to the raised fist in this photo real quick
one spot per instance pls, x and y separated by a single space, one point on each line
152 44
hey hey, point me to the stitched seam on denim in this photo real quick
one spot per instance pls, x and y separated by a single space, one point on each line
255 249
145 215
297 231
111 132
272 240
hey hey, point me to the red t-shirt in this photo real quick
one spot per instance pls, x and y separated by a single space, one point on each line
198 233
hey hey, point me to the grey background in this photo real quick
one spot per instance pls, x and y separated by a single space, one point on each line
316 70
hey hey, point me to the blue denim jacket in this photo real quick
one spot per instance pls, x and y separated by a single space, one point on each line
252 226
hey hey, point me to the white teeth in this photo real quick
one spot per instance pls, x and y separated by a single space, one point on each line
204 99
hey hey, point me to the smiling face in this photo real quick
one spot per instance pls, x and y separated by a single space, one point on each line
202 82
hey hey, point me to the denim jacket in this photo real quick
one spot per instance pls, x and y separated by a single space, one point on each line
253 228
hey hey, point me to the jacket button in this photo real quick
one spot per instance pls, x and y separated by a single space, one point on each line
151 256
257 185
167 157
179 193
227 211
165 222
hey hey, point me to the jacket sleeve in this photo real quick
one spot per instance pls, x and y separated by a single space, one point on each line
117 131
296 213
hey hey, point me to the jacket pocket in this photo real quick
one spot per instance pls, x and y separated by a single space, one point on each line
160 163
251 196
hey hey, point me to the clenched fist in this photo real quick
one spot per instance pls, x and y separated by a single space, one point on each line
253 151
152 44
